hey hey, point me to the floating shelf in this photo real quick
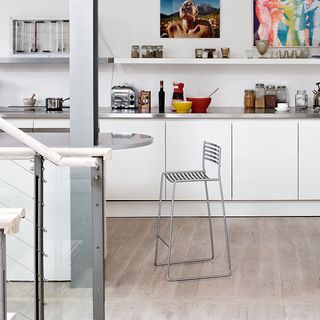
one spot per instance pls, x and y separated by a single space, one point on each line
40 60
233 61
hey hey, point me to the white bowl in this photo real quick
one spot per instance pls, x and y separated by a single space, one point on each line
28 102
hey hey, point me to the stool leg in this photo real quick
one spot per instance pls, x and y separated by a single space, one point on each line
225 228
158 221
171 230
209 219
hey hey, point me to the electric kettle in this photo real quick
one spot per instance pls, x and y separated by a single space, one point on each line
316 98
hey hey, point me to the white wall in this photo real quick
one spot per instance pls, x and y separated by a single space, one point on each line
124 23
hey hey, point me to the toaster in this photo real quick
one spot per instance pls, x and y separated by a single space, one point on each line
124 97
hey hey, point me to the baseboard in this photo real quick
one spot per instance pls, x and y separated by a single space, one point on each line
198 208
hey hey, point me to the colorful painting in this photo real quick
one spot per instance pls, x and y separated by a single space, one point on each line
287 23
190 19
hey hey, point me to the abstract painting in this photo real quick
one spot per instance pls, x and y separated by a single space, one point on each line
190 19
287 23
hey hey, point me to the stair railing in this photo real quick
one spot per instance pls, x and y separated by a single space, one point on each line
63 157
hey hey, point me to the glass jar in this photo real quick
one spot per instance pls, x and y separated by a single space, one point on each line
158 52
271 96
135 52
282 94
249 99
146 52
301 100
259 102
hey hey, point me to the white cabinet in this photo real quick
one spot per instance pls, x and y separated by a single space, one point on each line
309 153
51 123
184 142
134 174
265 160
22 123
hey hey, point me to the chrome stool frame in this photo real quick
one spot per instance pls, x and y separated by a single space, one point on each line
212 153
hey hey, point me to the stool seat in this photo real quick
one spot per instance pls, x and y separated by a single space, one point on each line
185 176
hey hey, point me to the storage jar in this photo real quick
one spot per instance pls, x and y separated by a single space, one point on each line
260 103
301 100
271 97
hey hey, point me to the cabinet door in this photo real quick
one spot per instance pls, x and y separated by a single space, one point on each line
184 141
25 124
134 174
309 152
52 123
265 160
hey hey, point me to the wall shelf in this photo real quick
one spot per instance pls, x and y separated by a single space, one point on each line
40 60
233 61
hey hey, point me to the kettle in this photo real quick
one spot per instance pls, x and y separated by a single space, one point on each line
316 98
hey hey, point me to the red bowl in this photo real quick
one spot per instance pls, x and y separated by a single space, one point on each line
199 105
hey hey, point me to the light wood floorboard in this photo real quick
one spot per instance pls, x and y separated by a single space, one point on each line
275 265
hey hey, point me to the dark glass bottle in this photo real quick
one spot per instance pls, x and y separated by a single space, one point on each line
161 98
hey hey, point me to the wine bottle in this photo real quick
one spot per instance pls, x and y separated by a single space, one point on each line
161 98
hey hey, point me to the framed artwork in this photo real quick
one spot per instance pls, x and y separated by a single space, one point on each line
190 19
287 23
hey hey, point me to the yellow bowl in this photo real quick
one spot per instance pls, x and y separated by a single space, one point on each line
182 106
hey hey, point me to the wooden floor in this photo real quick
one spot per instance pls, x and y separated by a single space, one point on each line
275 264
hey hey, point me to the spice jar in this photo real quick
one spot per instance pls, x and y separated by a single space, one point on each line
301 100
271 96
260 103
135 52
158 52
249 99
147 52
282 94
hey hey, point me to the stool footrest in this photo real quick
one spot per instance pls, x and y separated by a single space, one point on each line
184 261
219 275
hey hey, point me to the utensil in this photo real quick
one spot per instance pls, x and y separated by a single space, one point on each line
211 94
55 104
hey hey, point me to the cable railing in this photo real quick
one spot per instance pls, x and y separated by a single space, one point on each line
61 157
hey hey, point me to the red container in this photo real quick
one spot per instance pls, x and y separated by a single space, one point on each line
200 105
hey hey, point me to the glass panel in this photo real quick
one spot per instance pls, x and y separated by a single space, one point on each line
67 240
16 191
68 243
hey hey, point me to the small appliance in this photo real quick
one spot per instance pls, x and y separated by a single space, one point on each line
124 97
316 98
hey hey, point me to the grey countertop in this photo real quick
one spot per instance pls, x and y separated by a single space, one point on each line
212 113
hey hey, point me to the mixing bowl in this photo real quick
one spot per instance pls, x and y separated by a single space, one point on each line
199 105
182 106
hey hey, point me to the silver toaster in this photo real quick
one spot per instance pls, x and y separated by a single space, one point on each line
124 97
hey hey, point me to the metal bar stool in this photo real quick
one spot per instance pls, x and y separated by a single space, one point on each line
212 153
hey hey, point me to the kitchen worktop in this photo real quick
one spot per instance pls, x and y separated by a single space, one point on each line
213 113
